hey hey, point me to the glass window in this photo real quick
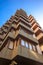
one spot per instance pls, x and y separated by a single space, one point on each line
30 46
26 44
10 45
34 48
22 42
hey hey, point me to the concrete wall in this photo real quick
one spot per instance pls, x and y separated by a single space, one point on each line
25 52
8 53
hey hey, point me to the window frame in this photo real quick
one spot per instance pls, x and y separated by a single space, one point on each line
26 44
34 48
9 44
23 41
30 47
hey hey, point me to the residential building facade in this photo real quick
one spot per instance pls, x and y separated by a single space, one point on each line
21 41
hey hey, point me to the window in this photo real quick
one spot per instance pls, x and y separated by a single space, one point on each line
30 46
26 44
34 48
22 43
10 45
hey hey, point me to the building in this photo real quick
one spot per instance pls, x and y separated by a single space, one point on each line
37 30
19 44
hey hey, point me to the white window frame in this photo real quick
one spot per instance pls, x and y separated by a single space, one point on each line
30 46
22 42
26 44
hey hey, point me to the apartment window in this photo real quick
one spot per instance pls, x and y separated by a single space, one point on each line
26 44
22 43
30 46
11 44
34 48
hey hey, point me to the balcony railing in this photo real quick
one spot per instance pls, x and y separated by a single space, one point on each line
11 35
39 36
25 52
32 22
34 25
21 24
28 36
37 29
6 25
2 36
1 32
25 21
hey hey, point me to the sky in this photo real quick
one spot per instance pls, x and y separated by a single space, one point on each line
33 7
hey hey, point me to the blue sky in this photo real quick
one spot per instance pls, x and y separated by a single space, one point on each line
9 7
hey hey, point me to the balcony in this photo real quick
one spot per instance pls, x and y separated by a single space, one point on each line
28 36
22 20
14 26
24 34
1 31
25 52
29 29
0 42
40 37
37 29
15 17
26 19
2 36
31 19
21 24
8 22
30 16
14 36
32 22
22 56
5 30
11 35
6 25
35 24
